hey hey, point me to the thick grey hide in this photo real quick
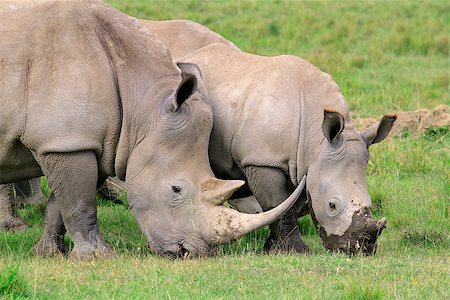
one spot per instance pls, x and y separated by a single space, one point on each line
86 93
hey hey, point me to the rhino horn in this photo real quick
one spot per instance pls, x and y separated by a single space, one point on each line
228 225
216 191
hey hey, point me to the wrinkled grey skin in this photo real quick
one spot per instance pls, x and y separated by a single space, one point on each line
13 194
89 94
278 118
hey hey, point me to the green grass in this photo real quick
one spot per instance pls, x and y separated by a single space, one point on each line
386 56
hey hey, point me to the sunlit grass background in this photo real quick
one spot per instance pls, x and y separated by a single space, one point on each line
386 56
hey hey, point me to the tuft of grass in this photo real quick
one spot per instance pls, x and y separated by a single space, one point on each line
12 283
438 135
357 291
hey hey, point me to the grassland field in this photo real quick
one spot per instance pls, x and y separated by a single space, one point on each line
386 56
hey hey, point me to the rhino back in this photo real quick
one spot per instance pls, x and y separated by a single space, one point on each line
183 37
271 115
72 71
64 89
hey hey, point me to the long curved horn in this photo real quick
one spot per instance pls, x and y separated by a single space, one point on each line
228 225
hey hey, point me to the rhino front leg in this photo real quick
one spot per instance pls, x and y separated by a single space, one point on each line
9 219
52 241
73 178
270 187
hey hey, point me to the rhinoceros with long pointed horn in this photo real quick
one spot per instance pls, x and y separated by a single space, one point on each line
86 93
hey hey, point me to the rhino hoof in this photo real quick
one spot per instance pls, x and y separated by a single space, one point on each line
13 224
50 247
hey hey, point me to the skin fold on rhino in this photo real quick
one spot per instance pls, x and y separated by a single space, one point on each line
277 119
89 94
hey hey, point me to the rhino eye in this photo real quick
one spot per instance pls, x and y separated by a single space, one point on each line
176 189
332 205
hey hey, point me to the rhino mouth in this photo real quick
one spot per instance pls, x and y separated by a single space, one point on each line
360 238
182 250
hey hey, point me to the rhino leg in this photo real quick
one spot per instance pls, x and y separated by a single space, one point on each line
271 186
52 241
73 178
9 219
28 191
112 189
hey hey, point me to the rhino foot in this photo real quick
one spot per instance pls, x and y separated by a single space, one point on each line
13 224
285 237
50 246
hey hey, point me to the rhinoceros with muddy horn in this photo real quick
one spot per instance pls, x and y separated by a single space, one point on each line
277 119
86 94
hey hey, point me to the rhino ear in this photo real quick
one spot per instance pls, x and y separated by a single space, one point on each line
379 131
333 124
190 74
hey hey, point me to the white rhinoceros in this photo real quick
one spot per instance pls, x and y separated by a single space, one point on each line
86 93
277 119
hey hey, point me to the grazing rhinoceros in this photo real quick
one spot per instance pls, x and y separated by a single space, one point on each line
187 36
277 119
86 94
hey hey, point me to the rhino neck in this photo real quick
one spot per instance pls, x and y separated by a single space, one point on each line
139 120
141 66
319 93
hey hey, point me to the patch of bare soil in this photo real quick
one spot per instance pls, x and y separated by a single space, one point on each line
414 122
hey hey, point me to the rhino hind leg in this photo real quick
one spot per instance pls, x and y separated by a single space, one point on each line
52 241
270 187
73 178
9 220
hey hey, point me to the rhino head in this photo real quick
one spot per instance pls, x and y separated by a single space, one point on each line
337 191
177 201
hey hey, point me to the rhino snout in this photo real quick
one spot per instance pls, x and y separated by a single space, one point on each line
360 237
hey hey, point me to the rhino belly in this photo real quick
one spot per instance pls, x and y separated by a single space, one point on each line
17 163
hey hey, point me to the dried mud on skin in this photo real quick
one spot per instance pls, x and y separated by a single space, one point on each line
414 122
